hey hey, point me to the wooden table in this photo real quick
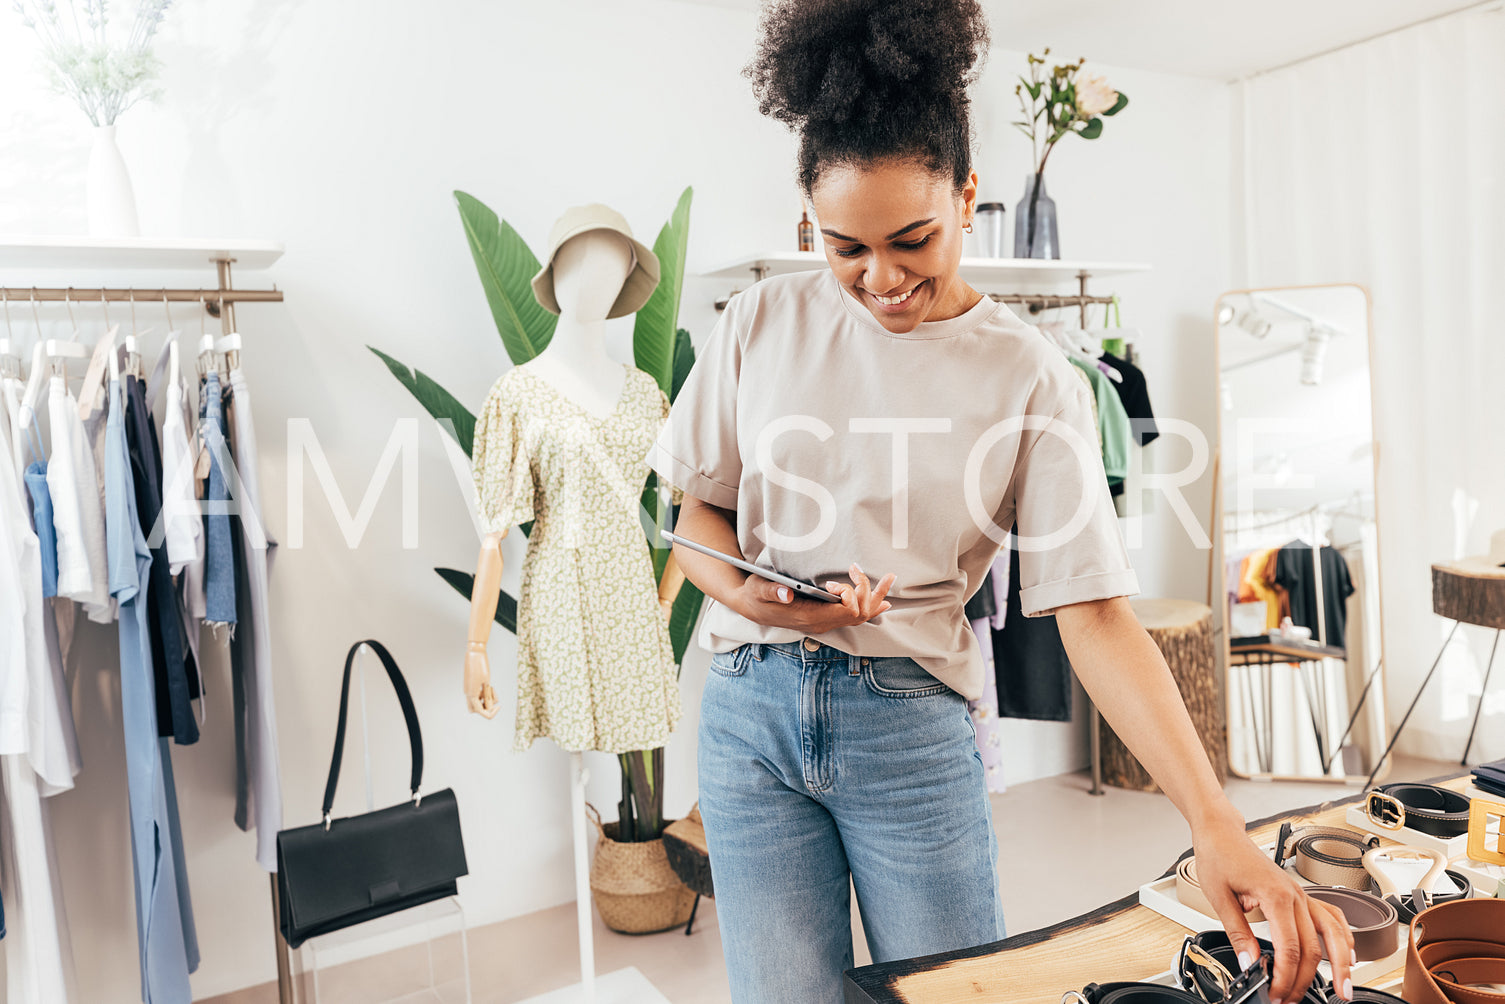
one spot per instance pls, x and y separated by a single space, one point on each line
1119 941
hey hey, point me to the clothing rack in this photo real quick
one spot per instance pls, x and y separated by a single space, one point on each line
219 302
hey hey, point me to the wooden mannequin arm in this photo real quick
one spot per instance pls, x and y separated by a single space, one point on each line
669 585
479 696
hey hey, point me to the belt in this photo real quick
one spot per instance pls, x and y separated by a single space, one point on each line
1326 855
1208 967
1373 921
1131 993
1364 995
1409 903
1456 954
1189 892
1424 808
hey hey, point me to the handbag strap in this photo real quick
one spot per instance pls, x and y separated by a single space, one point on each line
409 712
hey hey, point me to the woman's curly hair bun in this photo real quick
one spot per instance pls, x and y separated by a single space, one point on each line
865 79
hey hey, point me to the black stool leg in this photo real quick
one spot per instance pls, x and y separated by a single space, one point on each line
1414 701
1483 692
693 907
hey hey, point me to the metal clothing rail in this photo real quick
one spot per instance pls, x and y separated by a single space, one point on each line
219 302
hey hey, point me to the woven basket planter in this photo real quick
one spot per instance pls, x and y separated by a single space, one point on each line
635 889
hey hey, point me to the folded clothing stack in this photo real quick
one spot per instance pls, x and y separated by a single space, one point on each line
1490 777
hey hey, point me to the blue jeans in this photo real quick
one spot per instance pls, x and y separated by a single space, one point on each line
816 767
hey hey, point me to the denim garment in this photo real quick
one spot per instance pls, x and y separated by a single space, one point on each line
219 562
177 680
820 766
41 502
164 924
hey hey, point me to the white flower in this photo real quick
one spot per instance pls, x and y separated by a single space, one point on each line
1094 96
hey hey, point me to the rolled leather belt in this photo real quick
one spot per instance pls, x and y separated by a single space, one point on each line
1326 855
1364 995
1217 945
1424 808
1136 993
1456 954
1374 922
1189 892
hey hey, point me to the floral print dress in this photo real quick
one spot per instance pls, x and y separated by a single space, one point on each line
595 667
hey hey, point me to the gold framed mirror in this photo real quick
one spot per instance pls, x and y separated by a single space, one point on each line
1296 546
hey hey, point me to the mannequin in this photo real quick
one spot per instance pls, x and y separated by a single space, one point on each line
595 272
589 270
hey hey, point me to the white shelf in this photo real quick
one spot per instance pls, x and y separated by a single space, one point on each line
78 252
976 271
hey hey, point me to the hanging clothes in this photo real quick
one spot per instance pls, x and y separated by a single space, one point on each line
984 611
78 512
41 506
1294 573
164 923
1032 671
182 521
1134 394
260 802
173 667
219 560
38 747
1112 422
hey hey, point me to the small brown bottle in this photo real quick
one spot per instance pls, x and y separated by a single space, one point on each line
807 232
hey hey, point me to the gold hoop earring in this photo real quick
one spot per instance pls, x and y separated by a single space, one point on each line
967 226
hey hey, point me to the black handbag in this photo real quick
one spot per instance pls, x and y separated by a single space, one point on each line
342 872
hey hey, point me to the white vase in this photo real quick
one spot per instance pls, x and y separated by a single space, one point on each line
112 201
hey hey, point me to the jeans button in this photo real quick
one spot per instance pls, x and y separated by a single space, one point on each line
811 644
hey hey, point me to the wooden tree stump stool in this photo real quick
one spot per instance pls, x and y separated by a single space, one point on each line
1471 590
684 845
1182 630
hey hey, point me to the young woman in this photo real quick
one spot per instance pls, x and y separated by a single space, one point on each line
884 415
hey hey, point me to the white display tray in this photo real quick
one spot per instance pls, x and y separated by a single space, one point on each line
1488 880
1160 896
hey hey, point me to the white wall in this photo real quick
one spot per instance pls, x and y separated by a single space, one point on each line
340 129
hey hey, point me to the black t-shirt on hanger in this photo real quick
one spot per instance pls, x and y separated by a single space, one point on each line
1294 572
1134 392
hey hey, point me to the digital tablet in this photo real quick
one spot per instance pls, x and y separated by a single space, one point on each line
814 592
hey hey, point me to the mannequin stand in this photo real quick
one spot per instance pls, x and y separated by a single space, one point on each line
623 986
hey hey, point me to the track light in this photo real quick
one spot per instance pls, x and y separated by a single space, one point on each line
1314 354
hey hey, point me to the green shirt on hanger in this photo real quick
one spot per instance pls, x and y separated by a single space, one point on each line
1112 422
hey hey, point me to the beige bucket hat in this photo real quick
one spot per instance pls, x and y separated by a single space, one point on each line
577 220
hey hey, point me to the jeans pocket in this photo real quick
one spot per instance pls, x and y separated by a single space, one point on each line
900 676
733 663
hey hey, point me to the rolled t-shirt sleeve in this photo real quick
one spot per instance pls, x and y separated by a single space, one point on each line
696 449
1070 548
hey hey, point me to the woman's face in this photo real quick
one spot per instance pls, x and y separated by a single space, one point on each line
893 236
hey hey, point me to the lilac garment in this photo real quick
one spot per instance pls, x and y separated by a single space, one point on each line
998 575
984 712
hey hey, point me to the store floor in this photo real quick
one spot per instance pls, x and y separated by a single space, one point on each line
1047 829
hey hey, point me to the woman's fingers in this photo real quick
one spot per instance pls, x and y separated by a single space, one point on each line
1297 951
1337 936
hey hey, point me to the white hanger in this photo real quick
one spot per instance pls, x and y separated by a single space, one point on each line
10 360
229 347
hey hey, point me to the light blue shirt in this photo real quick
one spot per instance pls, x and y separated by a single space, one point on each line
164 920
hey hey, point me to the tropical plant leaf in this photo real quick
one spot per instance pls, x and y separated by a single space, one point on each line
506 266
464 583
684 360
683 617
654 332
435 399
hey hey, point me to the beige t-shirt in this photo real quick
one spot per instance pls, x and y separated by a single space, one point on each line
837 441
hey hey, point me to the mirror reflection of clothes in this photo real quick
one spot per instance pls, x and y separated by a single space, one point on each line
595 666
1294 572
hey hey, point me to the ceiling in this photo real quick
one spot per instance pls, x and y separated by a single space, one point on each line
1219 40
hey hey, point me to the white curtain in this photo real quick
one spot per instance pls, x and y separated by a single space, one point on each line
1384 164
